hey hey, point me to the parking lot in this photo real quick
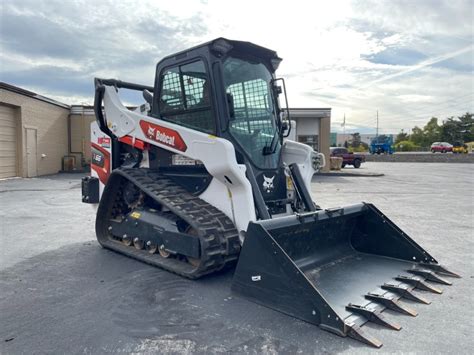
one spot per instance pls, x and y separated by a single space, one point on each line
60 292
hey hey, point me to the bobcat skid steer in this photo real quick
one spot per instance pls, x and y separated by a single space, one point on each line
200 178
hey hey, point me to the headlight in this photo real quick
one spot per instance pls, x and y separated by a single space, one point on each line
317 160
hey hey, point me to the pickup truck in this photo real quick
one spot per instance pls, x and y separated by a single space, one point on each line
348 158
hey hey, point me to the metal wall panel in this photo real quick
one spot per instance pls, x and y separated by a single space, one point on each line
8 142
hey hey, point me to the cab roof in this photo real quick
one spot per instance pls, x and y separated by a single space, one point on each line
223 46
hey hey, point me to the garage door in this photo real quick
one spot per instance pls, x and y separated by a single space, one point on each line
8 151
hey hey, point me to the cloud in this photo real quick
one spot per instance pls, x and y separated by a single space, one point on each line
396 56
58 47
407 59
423 64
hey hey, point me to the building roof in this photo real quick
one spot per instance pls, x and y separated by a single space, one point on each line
82 110
31 94
310 112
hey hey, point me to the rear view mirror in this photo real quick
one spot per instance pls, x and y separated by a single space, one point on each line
288 129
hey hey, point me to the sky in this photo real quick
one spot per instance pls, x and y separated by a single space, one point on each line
407 59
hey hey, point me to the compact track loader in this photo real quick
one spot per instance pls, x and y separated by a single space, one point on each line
201 177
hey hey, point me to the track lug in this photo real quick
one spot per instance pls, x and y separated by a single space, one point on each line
357 333
391 303
418 283
439 269
373 316
429 275
405 292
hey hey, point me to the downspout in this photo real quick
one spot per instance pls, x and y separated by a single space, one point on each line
70 137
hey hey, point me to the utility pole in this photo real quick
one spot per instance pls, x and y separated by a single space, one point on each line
344 125
377 133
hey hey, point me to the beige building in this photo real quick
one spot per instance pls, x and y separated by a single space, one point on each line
313 126
364 138
33 133
80 134
40 136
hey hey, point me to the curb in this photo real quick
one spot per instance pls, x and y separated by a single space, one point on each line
351 174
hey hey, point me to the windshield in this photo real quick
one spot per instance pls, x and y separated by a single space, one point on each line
254 123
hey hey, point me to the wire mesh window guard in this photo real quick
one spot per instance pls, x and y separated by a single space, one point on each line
254 121
184 97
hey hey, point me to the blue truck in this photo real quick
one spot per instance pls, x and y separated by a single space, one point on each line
381 145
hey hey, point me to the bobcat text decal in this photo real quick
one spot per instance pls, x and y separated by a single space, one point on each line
163 135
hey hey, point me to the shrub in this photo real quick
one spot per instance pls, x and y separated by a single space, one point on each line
359 149
406 146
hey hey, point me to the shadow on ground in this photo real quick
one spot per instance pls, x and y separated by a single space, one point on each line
109 303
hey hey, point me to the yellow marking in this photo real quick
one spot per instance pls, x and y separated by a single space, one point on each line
135 215
289 183
229 192
211 136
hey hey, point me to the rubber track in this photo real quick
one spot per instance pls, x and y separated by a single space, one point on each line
219 239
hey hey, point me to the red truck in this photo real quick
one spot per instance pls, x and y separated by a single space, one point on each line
348 158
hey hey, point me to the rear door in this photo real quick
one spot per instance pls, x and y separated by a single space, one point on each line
31 152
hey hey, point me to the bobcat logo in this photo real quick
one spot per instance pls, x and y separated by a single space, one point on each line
268 183
151 132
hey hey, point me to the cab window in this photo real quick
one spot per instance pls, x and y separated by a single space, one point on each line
185 97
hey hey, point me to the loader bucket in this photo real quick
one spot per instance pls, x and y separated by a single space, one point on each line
336 268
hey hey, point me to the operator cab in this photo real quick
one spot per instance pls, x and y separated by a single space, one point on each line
228 89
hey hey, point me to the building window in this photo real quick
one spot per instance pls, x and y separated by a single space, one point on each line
312 141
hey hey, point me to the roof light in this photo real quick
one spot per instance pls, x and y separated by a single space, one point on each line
275 63
221 46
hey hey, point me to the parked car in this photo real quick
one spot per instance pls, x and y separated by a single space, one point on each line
460 147
442 147
348 158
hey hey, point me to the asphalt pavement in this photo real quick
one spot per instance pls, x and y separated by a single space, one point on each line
60 292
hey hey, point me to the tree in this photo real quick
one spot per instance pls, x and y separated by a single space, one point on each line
406 146
466 125
450 130
458 129
425 136
417 136
402 136
431 132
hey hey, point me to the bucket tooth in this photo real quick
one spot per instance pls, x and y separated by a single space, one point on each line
357 333
418 283
430 276
405 292
373 316
439 269
391 303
